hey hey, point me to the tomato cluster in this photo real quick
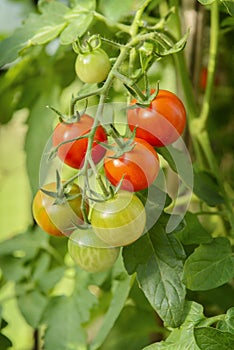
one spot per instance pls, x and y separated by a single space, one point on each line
129 165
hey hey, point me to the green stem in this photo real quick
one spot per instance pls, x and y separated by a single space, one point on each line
211 320
214 35
79 98
134 31
123 27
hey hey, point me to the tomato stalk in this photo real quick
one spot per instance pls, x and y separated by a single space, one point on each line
197 122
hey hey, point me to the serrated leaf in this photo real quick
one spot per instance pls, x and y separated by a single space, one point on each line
227 324
210 265
158 260
32 306
121 290
209 338
182 338
193 232
63 325
206 188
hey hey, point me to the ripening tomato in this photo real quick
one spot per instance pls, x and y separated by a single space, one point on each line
58 219
120 220
162 122
73 153
138 168
92 258
93 66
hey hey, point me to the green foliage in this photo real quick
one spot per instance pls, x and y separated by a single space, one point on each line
210 266
173 287
206 188
158 260
209 338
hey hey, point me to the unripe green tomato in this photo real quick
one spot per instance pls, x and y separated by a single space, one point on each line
92 67
120 220
95 257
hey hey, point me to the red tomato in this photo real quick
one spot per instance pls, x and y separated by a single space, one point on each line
58 219
140 167
73 153
162 122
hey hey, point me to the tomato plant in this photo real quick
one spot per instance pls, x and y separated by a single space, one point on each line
120 220
176 234
137 168
58 216
73 153
162 122
93 66
94 257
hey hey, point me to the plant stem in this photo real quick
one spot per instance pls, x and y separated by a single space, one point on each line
123 27
211 320
214 35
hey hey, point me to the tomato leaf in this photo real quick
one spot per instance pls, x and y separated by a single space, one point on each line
206 188
40 124
227 324
179 161
32 306
120 291
76 28
210 265
37 29
28 243
229 6
158 260
213 339
114 12
63 325
193 232
182 337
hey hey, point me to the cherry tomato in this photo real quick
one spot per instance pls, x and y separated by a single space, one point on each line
93 66
160 124
73 153
140 167
120 220
58 219
91 258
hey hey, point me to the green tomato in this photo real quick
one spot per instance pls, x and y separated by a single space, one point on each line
88 252
120 220
92 67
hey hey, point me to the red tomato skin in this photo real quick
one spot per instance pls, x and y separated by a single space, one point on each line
140 167
73 153
160 124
